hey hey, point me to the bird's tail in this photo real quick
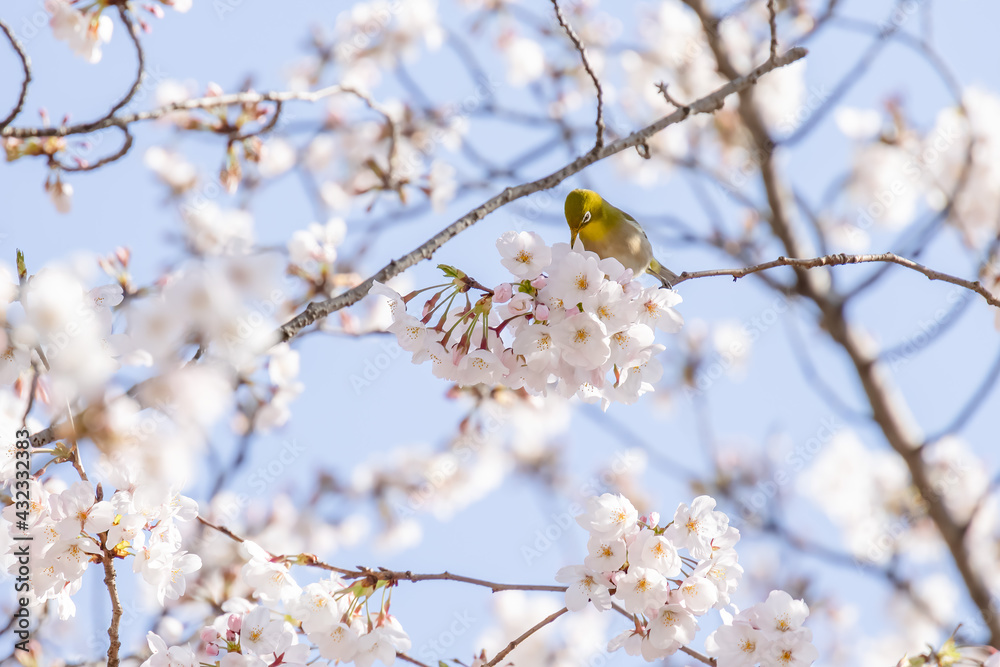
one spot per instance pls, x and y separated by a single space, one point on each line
666 276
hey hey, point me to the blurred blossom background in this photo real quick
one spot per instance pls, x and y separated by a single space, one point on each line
885 138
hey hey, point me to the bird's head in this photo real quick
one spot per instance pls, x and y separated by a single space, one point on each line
582 208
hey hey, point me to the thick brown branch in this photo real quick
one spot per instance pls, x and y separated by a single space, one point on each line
320 309
25 67
590 70
836 260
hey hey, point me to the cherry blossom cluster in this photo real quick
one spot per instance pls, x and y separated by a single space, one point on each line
575 324
87 30
637 564
332 616
74 527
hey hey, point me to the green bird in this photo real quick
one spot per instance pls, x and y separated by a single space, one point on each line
611 232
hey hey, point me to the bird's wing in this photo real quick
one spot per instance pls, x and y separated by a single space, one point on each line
634 223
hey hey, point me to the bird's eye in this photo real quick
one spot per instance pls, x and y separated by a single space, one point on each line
586 218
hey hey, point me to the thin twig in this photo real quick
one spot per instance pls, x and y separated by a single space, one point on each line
25 67
317 310
836 260
119 154
116 609
140 65
406 658
535 628
222 529
662 88
599 143
772 20
198 103
382 574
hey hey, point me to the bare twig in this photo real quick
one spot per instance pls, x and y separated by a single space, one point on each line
535 628
599 143
222 529
25 67
117 155
382 574
839 259
772 20
198 103
413 661
116 608
662 88
320 309
140 65
388 575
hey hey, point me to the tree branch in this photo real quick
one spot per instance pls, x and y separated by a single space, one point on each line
535 628
382 574
140 62
25 67
317 310
199 103
116 609
839 259
772 21
889 411
599 143
117 155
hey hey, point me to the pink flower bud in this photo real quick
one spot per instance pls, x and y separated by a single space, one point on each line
503 292
541 312
519 304
123 254
540 282
235 622
212 649
209 635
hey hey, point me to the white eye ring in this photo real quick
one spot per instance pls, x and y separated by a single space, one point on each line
586 218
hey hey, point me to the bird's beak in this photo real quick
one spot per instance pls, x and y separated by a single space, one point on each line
572 237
